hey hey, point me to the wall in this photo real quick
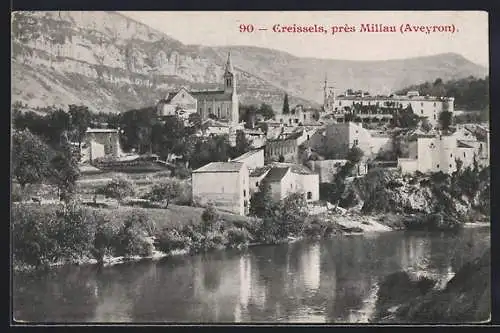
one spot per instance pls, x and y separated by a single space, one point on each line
286 148
326 169
109 142
96 150
255 182
408 165
308 183
228 190
281 189
252 161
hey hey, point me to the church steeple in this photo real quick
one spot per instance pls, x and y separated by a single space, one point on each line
229 77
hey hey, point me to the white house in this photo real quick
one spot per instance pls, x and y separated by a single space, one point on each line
253 159
225 184
440 152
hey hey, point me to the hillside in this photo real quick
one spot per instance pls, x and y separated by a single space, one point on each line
112 63
471 94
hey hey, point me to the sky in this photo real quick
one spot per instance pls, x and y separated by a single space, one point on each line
210 28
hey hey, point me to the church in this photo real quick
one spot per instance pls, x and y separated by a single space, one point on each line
222 104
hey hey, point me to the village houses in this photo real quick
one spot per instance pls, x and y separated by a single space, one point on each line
440 152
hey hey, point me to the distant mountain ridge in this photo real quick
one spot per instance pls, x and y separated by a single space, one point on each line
112 63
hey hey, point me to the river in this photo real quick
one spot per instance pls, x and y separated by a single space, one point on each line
327 281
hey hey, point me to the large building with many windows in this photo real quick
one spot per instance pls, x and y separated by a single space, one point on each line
363 107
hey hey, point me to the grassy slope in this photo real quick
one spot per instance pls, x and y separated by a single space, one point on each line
173 216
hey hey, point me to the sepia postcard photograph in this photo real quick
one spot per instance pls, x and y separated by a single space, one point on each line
245 167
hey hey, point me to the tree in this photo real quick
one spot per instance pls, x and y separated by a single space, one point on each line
355 155
165 192
293 212
445 118
261 201
195 121
30 158
58 123
80 120
266 111
117 188
242 144
426 125
64 171
286 107
405 118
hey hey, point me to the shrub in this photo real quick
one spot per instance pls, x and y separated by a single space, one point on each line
131 238
118 188
214 240
105 236
209 218
75 231
237 237
170 240
32 239
182 172
165 191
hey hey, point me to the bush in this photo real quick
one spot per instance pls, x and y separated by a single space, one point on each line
32 239
209 218
237 237
214 240
171 240
165 191
75 231
131 238
118 188
105 238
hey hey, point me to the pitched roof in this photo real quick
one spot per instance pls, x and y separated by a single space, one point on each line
296 168
247 154
260 171
220 167
216 95
276 174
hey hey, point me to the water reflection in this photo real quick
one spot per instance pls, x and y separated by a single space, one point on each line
328 281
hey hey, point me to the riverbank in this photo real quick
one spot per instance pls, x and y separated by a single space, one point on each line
466 297
54 235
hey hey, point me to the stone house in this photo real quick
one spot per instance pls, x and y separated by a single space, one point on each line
100 143
225 184
253 159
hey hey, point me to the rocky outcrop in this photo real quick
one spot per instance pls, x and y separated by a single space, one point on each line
465 299
434 202
112 63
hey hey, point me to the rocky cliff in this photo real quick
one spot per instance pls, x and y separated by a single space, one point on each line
435 201
112 63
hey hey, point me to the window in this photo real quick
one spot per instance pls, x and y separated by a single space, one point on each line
422 111
309 195
421 103
245 203
256 184
451 155
200 111
434 103
291 186
340 103
450 166
437 166
464 154
434 117
244 193
356 142
209 110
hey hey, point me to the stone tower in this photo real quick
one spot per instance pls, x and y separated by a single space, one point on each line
328 97
230 88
